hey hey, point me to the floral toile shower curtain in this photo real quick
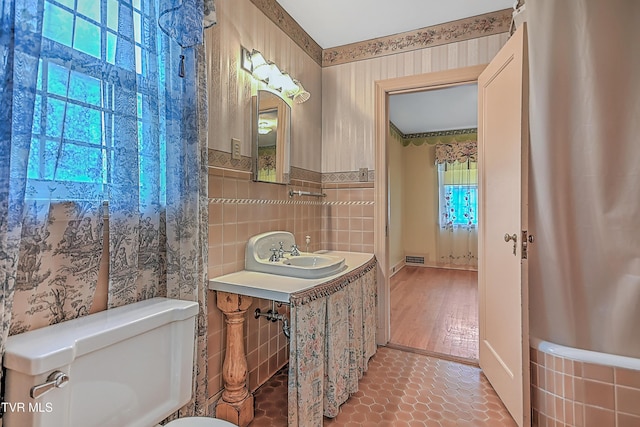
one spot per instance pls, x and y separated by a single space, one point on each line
102 126
457 238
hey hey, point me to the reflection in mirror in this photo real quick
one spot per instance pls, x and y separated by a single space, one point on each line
271 120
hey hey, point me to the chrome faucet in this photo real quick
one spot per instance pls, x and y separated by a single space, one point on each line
294 250
275 257
278 253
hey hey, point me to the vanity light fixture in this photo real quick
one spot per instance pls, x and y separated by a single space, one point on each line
301 95
268 72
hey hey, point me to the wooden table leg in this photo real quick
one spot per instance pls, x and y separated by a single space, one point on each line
236 404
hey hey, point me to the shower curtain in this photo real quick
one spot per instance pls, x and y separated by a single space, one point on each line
103 116
585 173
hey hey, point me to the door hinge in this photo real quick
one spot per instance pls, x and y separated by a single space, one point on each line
526 239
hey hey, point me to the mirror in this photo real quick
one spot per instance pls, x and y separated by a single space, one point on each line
271 121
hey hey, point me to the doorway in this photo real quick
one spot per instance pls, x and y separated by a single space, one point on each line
503 119
432 176
384 89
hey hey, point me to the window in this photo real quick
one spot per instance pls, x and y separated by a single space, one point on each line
458 194
461 205
90 51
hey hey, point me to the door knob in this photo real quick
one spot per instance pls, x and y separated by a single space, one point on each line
513 237
508 237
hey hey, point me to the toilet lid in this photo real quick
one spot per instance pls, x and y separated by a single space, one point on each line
199 422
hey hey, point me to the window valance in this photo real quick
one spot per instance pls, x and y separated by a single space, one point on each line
460 152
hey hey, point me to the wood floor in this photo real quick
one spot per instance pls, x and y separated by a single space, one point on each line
435 310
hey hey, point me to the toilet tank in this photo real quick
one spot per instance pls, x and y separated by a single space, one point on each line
128 366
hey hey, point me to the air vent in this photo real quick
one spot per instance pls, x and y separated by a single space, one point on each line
414 260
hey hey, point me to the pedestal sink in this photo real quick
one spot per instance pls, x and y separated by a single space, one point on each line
305 266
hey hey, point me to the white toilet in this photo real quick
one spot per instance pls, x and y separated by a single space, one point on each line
128 366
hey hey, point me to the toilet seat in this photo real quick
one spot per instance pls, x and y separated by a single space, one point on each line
199 422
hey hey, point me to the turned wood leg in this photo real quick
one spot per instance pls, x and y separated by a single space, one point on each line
236 404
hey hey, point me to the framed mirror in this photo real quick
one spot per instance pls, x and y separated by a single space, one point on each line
271 125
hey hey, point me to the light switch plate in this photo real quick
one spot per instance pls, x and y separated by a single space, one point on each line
235 149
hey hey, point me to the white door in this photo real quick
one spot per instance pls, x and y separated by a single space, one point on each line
502 271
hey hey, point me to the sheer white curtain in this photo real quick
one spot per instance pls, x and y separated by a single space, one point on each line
585 156
457 245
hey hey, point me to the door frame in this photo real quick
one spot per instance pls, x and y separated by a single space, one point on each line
382 90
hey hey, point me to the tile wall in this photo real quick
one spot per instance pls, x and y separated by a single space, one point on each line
347 216
238 209
566 392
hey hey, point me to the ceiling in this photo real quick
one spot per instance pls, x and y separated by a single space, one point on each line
435 110
334 23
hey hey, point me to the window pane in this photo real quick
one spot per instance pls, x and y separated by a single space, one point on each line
55 114
83 124
111 48
57 79
138 60
58 24
137 27
80 164
90 9
84 89
112 15
50 158
139 99
87 38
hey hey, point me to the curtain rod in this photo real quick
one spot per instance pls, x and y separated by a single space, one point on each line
305 193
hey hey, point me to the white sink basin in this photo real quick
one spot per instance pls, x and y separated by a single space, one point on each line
275 287
305 266
312 260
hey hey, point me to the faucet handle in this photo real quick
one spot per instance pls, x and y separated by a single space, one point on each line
294 250
275 256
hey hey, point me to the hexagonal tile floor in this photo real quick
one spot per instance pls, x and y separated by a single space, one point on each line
401 389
